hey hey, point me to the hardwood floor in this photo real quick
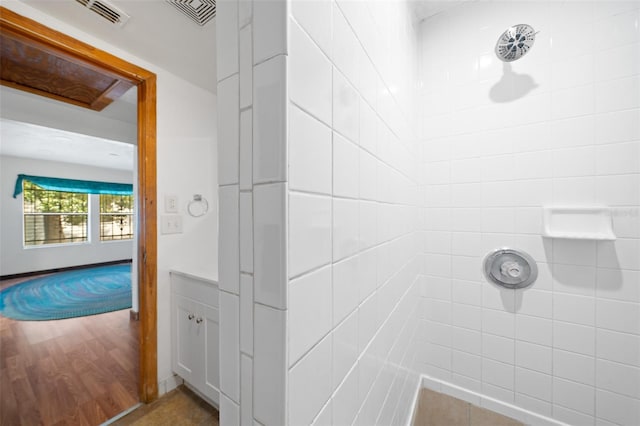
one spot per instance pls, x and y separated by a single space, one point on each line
78 371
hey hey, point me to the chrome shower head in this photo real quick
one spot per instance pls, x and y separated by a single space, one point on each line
515 42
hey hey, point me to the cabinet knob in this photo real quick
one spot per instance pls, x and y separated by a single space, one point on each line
191 316
199 320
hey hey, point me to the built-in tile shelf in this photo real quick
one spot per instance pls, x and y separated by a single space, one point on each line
578 223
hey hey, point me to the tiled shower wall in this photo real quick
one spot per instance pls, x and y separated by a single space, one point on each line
352 212
559 127
319 208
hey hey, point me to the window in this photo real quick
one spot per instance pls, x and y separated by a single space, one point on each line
116 217
53 217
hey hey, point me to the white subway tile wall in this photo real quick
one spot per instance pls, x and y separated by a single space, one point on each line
353 212
320 170
368 163
251 48
560 126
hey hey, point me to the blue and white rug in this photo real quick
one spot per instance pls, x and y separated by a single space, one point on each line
69 294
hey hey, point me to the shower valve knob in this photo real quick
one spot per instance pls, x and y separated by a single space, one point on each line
511 269
191 316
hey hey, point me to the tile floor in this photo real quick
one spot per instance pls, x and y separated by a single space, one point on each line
180 407
437 409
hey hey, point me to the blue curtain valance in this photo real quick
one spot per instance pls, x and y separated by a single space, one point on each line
74 185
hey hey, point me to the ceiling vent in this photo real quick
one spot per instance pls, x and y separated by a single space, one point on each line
106 10
200 11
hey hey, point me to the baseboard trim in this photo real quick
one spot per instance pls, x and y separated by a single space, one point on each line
169 384
481 400
67 268
134 316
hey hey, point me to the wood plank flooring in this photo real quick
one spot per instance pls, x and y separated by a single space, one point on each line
78 371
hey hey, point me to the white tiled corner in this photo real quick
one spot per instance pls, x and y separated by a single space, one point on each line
269 365
270 119
309 311
228 131
230 345
270 244
229 238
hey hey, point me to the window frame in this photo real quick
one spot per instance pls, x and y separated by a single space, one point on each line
130 214
34 243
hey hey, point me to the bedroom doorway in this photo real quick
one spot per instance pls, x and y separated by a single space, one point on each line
50 42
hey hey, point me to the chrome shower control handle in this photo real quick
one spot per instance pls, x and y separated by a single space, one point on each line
191 316
199 320
511 269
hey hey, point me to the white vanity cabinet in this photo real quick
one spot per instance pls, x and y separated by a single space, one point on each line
195 328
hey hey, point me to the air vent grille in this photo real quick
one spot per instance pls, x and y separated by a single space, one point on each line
200 11
106 10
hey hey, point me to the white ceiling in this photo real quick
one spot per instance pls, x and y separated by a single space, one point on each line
25 140
160 34
156 32
424 9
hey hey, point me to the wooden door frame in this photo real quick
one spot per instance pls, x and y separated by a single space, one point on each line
81 53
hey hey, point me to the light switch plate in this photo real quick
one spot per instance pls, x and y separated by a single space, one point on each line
171 224
171 204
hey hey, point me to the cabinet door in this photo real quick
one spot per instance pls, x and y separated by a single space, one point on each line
210 336
186 347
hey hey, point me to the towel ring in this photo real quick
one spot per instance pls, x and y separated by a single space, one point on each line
199 206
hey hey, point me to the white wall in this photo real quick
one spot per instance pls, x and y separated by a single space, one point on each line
319 210
186 164
15 257
558 127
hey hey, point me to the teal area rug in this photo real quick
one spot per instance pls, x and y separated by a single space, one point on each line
69 294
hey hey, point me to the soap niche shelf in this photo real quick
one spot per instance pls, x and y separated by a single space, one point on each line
578 223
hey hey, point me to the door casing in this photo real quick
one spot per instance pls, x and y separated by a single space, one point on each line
42 37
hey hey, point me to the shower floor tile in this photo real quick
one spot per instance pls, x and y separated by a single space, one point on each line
438 409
